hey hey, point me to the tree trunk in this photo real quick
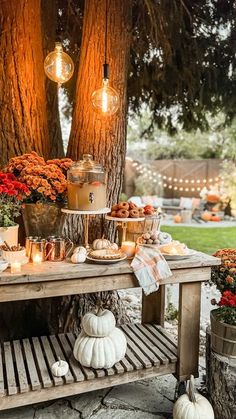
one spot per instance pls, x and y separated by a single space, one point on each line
23 118
104 138
49 11
221 382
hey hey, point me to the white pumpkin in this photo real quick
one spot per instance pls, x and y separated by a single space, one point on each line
192 405
78 257
100 324
60 368
80 249
97 353
114 246
99 244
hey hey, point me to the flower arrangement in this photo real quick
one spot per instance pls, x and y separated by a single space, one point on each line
46 180
224 277
12 193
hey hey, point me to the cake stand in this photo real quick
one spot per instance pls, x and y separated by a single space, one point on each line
123 222
86 215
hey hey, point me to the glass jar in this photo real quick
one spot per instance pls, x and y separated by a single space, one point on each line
86 186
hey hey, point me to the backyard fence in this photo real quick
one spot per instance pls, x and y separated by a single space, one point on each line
179 177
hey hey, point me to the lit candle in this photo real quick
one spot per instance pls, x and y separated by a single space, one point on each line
129 249
37 259
15 267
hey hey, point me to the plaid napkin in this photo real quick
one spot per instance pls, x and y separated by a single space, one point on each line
149 268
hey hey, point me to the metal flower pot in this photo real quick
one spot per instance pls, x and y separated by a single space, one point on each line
42 219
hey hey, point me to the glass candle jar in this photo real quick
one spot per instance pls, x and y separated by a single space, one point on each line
86 185
38 249
129 248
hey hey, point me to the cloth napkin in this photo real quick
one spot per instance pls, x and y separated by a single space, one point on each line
150 268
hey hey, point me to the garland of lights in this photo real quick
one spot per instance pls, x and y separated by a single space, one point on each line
186 184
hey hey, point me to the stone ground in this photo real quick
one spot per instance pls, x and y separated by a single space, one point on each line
147 399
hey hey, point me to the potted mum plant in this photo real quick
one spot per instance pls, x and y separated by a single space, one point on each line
223 319
47 183
12 193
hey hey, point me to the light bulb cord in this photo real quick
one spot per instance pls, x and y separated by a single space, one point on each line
106 31
106 65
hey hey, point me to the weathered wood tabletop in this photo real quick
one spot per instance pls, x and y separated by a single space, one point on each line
55 271
54 279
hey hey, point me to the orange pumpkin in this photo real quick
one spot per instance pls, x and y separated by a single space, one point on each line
206 216
215 218
213 198
177 218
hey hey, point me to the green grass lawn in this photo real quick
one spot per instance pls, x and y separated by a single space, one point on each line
206 240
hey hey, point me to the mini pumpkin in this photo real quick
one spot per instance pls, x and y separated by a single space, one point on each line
60 368
100 324
215 218
177 218
78 257
113 246
99 244
192 405
80 249
206 216
97 352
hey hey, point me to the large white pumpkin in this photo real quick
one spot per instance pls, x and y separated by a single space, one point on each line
100 324
192 405
103 352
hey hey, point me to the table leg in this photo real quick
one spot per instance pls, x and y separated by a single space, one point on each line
153 307
188 329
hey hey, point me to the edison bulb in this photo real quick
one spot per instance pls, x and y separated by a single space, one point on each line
105 100
58 65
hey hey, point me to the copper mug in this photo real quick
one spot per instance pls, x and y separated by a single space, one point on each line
57 248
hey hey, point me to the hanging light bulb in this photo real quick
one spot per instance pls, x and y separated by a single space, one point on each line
58 65
106 99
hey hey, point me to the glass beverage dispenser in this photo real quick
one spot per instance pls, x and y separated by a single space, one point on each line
86 185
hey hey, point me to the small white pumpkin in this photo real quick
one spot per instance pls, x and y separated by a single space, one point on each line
80 249
78 257
100 244
192 405
60 368
114 246
100 324
99 353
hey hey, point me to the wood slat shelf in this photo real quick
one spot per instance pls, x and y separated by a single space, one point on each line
26 378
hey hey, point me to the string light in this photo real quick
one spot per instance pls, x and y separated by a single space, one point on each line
153 175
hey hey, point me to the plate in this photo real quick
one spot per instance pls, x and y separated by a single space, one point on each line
179 257
124 220
103 261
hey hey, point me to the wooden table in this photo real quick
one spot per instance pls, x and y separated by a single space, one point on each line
25 375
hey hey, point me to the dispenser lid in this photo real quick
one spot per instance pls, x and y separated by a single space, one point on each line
87 164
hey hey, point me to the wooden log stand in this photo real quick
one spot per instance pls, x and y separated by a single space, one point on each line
221 382
25 373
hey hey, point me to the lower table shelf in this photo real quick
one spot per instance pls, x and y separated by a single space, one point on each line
25 373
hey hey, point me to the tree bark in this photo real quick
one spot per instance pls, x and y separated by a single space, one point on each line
104 138
23 117
221 382
49 12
